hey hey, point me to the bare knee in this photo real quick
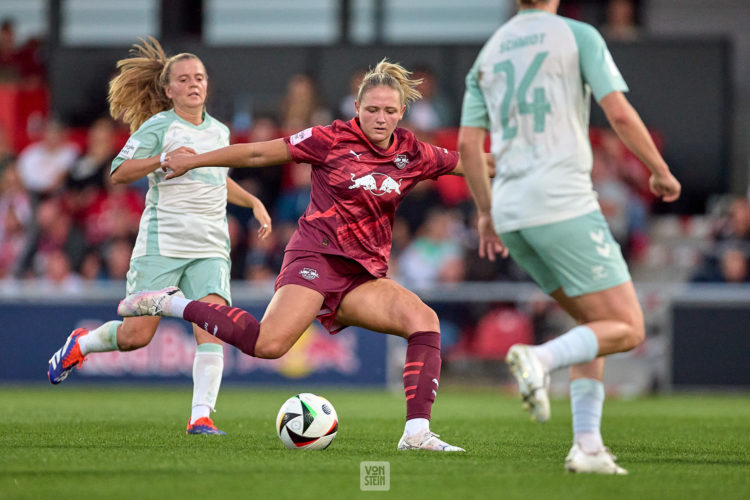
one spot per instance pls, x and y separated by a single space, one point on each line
634 335
270 349
422 320
132 339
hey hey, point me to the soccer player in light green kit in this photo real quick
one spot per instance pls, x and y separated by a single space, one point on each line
530 88
183 237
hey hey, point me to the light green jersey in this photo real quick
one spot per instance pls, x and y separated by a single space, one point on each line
530 87
184 217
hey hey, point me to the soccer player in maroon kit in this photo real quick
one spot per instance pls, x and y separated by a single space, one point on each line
335 264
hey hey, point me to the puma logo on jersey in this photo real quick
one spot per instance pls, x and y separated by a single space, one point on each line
356 154
370 183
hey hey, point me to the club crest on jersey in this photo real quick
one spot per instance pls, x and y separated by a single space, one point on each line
309 273
377 184
401 161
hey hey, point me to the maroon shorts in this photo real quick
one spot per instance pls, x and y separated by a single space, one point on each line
333 276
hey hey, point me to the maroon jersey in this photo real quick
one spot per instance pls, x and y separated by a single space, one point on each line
356 188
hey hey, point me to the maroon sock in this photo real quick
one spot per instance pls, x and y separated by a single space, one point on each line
230 324
421 373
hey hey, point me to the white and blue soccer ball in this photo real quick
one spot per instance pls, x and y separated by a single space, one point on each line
307 421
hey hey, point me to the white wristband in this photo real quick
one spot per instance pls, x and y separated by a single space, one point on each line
162 157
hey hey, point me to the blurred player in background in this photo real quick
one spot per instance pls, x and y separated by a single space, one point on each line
530 87
183 238
335 264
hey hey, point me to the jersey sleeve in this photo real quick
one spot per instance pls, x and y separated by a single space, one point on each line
311 145
144 143
474 108
597 66
437 161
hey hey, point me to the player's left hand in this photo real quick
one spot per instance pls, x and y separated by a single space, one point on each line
177 161
489 242
261 215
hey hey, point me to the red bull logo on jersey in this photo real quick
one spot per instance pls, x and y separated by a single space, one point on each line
377 184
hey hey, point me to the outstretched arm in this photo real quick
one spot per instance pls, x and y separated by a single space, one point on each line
237 195
473 161
252 154
489 163
629 127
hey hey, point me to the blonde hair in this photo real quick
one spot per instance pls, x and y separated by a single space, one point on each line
391 75
137 92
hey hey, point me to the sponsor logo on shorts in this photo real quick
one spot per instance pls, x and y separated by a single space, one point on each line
377 184
309 273
401 161
598 272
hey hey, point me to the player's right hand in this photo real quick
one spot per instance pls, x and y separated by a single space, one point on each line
665 186
489 242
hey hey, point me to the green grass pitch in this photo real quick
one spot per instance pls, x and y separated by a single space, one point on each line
84 442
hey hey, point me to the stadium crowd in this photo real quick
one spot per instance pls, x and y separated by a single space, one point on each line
63 223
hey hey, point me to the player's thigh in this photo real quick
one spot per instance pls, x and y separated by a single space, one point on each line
201 335
204 277
581 253
526 256
618 303
289 314
382 305
136 332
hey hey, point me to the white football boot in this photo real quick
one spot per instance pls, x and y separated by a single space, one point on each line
599 462
149 303
425 440
533 381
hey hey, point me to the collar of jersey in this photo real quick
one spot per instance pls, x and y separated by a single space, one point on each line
203 124
355 125
531 11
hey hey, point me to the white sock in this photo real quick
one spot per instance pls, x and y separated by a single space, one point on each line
208 367
416 425
175 306
102 339
586 402
574 347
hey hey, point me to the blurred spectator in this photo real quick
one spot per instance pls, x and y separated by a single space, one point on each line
735 225
433 111
19 64
620 22
302 107
57 233
417 204
92 266
117 254
44 165
346 109
15 216
113 213
10 70
435 253
57 274
294 198
263 182
729 264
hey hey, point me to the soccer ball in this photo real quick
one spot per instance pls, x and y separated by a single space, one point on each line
307 421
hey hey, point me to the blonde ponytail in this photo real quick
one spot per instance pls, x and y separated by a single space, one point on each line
391 75
137 92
